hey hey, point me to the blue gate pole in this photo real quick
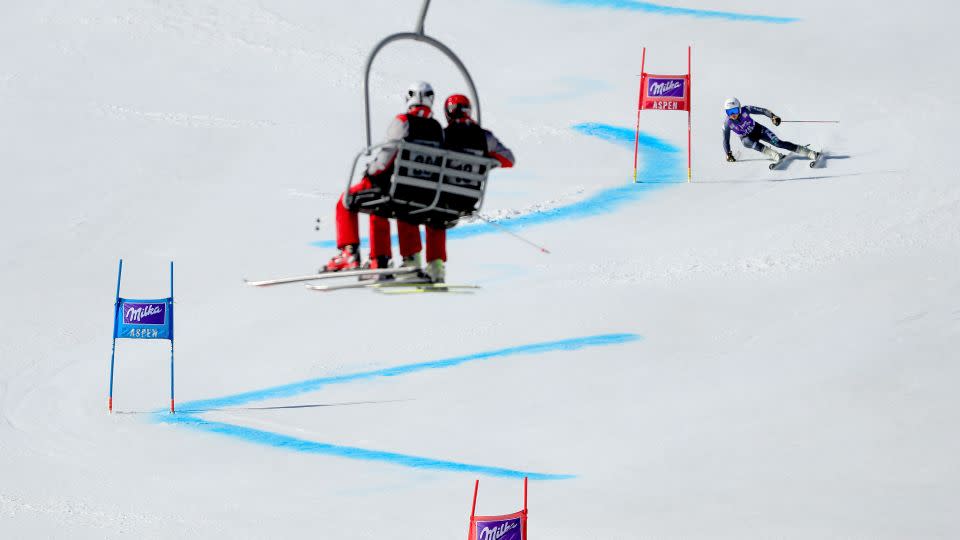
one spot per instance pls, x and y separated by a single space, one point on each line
172 409
113 352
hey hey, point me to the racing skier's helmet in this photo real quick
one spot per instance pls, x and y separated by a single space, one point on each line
419 94
732 106
457 106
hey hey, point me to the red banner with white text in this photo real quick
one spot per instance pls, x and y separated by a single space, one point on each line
666 92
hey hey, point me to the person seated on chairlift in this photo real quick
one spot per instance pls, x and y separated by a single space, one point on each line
462 134
417 125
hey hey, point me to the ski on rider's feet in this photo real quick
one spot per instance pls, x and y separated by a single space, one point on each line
429 288
329 275
395 287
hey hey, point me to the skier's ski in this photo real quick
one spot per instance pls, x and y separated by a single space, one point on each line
429 288
367 285
341 286
394 287
328 275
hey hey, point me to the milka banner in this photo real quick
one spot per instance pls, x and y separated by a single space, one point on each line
144 319
509 527
666 92
506 527
141 319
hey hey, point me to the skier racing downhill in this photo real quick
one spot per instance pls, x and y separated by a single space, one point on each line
753 134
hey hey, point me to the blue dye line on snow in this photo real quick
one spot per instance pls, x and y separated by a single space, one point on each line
660 9
659 164
626 138
311 385
287 442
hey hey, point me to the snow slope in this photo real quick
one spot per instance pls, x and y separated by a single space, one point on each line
753 355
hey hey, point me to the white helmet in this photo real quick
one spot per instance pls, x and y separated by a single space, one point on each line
419 94
731 103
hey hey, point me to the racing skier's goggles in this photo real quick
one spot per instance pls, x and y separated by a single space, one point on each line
731 112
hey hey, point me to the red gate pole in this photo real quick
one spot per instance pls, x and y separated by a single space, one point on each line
636 143
524 508
524 493
473 510
689 114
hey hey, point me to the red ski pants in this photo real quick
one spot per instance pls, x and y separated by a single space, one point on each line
348 226
348 232
410 240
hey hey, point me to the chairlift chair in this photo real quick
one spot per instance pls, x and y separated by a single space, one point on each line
429 185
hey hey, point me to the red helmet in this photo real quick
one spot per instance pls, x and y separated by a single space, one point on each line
457 106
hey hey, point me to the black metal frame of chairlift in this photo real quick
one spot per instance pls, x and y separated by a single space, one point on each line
428 185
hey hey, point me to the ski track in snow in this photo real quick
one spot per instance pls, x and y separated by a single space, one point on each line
189 410
660 166
660 9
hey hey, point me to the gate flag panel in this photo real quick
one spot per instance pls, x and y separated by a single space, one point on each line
505 527
664 93
142 319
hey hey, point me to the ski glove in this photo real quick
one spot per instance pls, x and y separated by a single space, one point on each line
776 120
730 157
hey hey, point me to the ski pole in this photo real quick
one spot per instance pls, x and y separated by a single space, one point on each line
809 121
513 234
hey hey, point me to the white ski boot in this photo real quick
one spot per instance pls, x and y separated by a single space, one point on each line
436 271
806 152
774 156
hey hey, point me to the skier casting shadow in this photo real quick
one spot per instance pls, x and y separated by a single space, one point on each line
753 135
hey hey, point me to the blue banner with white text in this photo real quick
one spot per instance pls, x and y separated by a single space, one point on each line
144 319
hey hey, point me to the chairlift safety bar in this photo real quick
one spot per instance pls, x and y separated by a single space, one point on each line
443 171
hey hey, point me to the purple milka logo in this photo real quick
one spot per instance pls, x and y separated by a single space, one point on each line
499 530
665 88
144 313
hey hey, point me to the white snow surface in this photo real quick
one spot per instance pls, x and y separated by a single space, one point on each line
796 376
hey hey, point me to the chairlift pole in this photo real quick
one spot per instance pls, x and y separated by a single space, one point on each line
423 16
420 36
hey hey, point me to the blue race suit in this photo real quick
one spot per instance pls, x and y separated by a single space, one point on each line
751 133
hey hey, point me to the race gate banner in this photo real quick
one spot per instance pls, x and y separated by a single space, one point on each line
144 319
665 92
508 527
